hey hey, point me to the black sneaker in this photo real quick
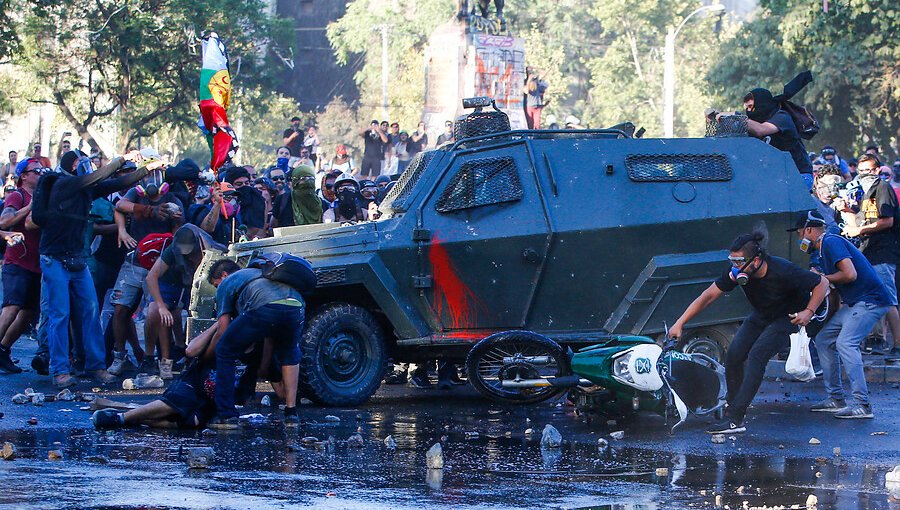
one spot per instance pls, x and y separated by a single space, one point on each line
727 426
106 419
449 373
222 423
855 411
40 363
149 366
6 362
829 405
420 380
291 419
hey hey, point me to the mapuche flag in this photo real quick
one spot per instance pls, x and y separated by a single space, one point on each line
215 96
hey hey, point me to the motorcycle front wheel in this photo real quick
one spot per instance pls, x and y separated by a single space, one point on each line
516 355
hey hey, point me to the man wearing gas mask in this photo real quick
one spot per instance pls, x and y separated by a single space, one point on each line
783 296
152 210
874 222
349 206
865 302
67 290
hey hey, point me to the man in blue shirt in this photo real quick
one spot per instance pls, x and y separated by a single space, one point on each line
865 301
260 308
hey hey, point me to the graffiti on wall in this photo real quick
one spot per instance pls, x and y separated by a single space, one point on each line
499 69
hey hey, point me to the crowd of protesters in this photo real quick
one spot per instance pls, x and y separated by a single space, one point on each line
126 235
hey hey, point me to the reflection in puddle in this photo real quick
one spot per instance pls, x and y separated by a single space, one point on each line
501 468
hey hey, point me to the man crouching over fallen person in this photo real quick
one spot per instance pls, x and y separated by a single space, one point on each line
189 401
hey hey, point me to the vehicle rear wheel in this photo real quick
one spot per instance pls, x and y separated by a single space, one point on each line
343 356
711 341
486 368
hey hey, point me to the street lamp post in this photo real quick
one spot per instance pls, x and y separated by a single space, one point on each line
669 71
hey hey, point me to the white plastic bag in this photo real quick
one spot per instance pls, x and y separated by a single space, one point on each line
799 363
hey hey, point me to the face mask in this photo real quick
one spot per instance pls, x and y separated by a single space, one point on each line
152 185
282 164
347 204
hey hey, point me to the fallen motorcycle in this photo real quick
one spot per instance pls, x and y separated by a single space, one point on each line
615 379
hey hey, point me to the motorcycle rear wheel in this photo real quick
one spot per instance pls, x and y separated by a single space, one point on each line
487 371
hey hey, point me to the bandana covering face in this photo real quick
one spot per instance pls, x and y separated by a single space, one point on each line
306 205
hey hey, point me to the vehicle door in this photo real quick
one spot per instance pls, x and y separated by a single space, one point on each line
489 235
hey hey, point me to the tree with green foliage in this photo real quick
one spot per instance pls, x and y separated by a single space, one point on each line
135 64
852 51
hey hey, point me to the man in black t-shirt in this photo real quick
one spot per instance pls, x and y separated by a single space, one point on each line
293 137
376 141
877 226
783 296
768 122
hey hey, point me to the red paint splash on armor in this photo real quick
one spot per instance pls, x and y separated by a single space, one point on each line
451 296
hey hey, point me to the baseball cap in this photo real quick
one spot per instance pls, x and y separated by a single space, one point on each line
150 153
810 218
340 149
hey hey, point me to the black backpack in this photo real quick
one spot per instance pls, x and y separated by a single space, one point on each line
286 268
807 125
40 202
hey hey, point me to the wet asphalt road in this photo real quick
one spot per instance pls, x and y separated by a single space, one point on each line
269 467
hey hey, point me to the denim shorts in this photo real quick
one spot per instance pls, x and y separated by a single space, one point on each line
21 287
886 273
188 398
129 287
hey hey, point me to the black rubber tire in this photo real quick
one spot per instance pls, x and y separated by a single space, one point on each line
351 333
517 341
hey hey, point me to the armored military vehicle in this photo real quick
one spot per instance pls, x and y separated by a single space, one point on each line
576 235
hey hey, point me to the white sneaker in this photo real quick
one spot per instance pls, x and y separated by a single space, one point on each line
165 369
118 364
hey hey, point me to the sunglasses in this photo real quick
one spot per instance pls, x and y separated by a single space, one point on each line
367 193
306 178
277 177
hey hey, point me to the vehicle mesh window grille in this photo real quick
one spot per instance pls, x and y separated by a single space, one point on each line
482 182
398 195
480 123
727 126
330 276
678 167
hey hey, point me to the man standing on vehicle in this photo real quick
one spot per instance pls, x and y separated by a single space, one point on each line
865 301
261 308
776 289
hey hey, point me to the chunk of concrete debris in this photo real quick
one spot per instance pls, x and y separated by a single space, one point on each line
389 443
209 433
309 440
54 455
529 432
200 457
814 441
29 392
879 433
20 398
266 401
332 419
471 435
617 435
434 457
8 452
812 502
32 421
662 472
38 399
718 501
550 437
718 438
602 443
355 441
65 395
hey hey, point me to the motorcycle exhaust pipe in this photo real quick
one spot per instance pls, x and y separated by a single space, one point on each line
568 381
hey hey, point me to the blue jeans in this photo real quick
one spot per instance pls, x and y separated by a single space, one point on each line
839 343
66 294
281 323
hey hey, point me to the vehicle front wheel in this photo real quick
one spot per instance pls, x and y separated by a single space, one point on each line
711 341
343 356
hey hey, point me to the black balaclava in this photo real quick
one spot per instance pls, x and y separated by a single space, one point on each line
764 105
68 159
348 203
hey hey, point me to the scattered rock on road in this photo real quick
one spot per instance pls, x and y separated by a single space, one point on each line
20 398
200 457
355 441
617 435
65 395
814 441
8 452
332 419
32 421
812 502
54 455
389 443
551 438
38 399
434 457
717 438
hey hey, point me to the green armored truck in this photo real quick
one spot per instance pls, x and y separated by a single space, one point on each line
576 235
